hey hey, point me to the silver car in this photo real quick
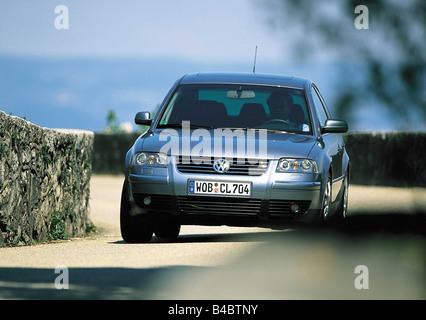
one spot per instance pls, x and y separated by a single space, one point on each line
235 149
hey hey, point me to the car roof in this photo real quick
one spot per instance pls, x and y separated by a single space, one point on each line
246 78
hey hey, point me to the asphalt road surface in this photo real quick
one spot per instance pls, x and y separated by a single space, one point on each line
378 254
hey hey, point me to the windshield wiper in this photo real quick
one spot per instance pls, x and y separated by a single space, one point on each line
192 126
251 128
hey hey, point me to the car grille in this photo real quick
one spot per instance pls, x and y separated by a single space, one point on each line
218 205
209 205
204 165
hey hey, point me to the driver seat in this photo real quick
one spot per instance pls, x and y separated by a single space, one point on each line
252 114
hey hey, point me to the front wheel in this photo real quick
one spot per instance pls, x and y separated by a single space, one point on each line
167 231
133 228
343 208
326 202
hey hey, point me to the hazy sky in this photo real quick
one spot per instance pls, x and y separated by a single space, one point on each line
216 31
191 33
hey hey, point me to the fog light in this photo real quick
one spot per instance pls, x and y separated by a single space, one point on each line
147 201
294 207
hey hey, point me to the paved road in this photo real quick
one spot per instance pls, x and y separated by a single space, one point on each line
382 249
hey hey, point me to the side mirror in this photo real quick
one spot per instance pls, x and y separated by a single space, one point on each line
334 126
143 118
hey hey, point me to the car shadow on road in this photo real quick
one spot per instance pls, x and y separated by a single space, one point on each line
216 237
357 224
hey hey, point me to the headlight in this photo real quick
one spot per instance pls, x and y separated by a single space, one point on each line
283 165
141 158
154 159
162 159
297 165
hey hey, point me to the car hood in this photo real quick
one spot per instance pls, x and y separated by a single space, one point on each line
236 144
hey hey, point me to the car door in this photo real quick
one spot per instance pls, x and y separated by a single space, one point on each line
333 142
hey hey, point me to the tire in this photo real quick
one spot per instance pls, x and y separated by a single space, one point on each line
325 215
343 206
133 228
167 231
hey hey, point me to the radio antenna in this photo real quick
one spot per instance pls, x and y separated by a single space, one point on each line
254 64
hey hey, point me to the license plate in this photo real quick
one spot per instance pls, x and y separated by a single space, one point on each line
219 188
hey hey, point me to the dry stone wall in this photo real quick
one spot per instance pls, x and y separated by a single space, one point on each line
387 158
44 182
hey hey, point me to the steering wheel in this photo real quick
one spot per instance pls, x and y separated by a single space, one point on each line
282 123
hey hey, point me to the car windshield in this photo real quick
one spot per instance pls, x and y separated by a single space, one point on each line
238 106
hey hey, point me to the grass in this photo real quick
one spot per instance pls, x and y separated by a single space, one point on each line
57 226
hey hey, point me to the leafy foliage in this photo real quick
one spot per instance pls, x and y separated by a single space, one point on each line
392 50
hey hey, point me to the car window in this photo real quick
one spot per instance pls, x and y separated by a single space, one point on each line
239 106
322 115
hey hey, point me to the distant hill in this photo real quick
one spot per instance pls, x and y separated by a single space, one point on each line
77 94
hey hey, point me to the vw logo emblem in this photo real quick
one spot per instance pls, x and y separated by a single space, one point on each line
221 165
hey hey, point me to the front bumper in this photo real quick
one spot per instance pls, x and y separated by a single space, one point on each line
162 193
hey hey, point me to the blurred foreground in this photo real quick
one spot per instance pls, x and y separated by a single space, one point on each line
358 263
379 253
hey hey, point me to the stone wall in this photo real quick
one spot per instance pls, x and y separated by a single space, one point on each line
44 182
387 158
110 151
